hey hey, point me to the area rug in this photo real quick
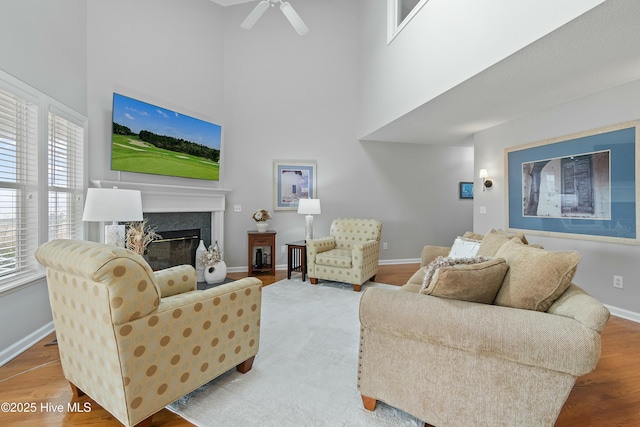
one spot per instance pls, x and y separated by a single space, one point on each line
305 372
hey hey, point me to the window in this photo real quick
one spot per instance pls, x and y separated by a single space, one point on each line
400 12
65 167
41 177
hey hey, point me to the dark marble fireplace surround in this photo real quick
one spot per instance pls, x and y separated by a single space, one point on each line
172 226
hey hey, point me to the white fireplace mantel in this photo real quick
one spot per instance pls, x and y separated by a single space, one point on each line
158 198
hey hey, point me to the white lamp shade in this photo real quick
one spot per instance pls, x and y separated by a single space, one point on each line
112 204
309 206
484 173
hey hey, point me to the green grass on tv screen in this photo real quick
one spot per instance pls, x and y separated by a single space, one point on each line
129 153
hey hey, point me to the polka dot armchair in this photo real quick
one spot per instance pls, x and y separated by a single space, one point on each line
135 340
350 253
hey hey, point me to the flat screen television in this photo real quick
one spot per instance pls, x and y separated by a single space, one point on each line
154 140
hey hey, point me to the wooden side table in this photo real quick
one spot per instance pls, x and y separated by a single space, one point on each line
262 241
297 258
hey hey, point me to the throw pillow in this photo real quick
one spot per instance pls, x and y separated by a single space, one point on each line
494 239
536 277
464 248
468 279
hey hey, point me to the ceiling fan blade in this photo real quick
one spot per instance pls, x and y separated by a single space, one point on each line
294 18
255 14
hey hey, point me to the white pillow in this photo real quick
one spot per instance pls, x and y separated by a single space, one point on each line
464 248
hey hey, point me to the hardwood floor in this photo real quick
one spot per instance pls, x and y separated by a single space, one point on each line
608 396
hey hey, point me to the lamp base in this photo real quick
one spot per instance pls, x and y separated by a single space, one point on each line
308 229
114 234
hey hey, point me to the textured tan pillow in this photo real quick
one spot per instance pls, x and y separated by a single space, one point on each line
478 282
494 239
536 278
418 276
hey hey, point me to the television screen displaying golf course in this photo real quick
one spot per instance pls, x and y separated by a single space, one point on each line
155 140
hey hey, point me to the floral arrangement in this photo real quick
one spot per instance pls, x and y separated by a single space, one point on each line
139 235
261 215
212 256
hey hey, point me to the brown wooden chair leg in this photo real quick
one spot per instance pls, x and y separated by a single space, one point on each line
313 280
357 287
146 422
76 391
245 366
369 403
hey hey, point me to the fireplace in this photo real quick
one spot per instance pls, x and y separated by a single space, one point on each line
177 204
181 233
174 248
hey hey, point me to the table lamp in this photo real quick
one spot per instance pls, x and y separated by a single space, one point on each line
309 207
113 205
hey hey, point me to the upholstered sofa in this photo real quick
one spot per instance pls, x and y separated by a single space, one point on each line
451 362
349 254
135 340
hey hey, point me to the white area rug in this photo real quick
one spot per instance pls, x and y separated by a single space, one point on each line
305 372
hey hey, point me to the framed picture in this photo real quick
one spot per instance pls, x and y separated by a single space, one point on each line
581 186
466 190
292 181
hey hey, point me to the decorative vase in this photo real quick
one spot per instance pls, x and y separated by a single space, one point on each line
215 273
199 265
262 226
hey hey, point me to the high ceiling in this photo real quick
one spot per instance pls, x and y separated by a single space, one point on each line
230 2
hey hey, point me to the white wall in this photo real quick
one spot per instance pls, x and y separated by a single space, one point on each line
446 43
290 97
600 261
165 52
42 43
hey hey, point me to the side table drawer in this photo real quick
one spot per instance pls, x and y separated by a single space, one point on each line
261 241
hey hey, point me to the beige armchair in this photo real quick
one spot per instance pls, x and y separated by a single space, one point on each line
349 254
451 362
135 340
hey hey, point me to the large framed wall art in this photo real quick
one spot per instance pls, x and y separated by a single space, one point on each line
292 181
582 186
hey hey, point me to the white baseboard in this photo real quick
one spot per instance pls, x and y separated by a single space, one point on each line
399 261
625 314
25 343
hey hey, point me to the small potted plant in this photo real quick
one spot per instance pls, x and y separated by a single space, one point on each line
260 217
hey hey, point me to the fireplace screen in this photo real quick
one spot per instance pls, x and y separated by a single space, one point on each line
174 248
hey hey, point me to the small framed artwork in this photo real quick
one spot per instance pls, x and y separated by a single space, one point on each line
466 190
292 181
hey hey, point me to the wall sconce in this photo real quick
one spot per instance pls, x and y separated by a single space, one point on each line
486 181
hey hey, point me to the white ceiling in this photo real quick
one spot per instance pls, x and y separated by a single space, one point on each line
230 2
596 51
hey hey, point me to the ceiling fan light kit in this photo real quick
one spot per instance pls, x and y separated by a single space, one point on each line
287 10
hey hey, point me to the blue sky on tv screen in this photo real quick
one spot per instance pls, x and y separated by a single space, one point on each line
138 115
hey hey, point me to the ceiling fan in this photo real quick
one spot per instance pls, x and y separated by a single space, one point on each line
288 11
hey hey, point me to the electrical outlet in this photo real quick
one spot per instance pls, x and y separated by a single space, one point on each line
483 210
617 282
283 249
237 208
385 245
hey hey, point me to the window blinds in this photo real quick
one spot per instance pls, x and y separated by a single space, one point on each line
65 168
18 184
41 177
